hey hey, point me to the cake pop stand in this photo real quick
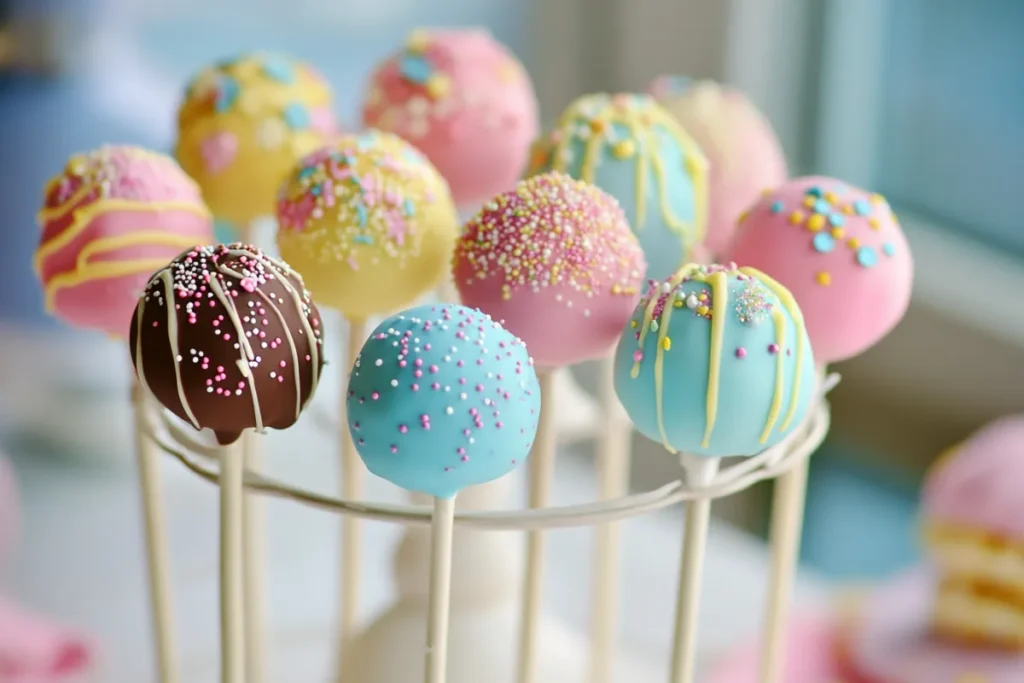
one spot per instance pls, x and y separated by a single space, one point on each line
483 644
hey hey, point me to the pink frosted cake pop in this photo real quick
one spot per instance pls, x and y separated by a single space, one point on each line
554 259
840 251
110 219
743 152
465 101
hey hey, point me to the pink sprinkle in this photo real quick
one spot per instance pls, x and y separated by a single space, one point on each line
433 368
283 364
374 396
465 458
248 284
403 429
227 337
638 356
741 352
394 449
415 387
773 348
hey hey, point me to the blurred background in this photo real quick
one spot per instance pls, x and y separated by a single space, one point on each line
921 100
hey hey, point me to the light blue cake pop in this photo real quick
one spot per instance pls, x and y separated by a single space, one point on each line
716 362
633 149
441 398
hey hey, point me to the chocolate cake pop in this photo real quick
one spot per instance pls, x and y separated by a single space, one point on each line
227 338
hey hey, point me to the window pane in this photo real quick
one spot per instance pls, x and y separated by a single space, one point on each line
953 119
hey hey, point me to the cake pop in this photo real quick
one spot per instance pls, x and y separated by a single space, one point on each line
633 149
442 398
716 362
228 339
112 217
465 101
744 154
840 251
555 259
244 123
368 222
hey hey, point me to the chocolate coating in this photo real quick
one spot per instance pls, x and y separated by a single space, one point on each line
242 347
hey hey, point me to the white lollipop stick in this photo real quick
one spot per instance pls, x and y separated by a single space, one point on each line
255 583
788 501
439 601
352 488
699 472
157 561
613 451
232 569
542 473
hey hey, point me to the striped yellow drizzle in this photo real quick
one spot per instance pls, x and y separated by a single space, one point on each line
643 124
719 283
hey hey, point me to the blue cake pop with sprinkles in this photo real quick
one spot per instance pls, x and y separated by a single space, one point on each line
441 398
716 362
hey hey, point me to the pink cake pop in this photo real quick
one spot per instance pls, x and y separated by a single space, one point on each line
465 101
841 253
743 152
110 219
556 260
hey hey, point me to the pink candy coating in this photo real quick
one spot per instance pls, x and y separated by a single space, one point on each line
841 253
980 485
744 154
465 101
555 259
111 219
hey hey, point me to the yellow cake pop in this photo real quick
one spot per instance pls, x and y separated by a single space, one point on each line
369 223
244 124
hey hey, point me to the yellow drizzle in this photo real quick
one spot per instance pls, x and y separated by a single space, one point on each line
718 281
643 119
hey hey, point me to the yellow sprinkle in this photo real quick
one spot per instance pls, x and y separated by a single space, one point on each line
633 324
875 225
694 165
623 149
678 303
702 310
831 198
438 86
616 288
838 233
816 222
824 278
508 72
417 41
809 201
796 218
743 216
666 343
877 198
853 243
848 209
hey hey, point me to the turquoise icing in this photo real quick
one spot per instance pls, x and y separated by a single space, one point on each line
441 398
746 384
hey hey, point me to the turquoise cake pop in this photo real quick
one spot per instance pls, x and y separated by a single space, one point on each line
633 149
441 398
716 362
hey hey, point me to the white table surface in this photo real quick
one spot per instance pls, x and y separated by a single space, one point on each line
81 557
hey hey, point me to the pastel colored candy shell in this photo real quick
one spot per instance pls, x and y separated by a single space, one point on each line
465 101
109 220
633 149
442 398
764 364
842 254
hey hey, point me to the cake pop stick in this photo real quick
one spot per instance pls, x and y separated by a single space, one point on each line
255 560
370 224
542 474
155 534
442 398
836 247
700 472
556 260
352 488
613 477
232 569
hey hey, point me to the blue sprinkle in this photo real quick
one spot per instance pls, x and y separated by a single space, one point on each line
889 249
862 207
305 172
416 69
776 207
821 206
227 93
361 214
365 141
814 192
279 69
838 220
823 242
867 257
297 116
315 190
362 239
408 208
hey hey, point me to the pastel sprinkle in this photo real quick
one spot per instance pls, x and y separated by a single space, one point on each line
297 116
823 242
889 249
416 69
867 257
